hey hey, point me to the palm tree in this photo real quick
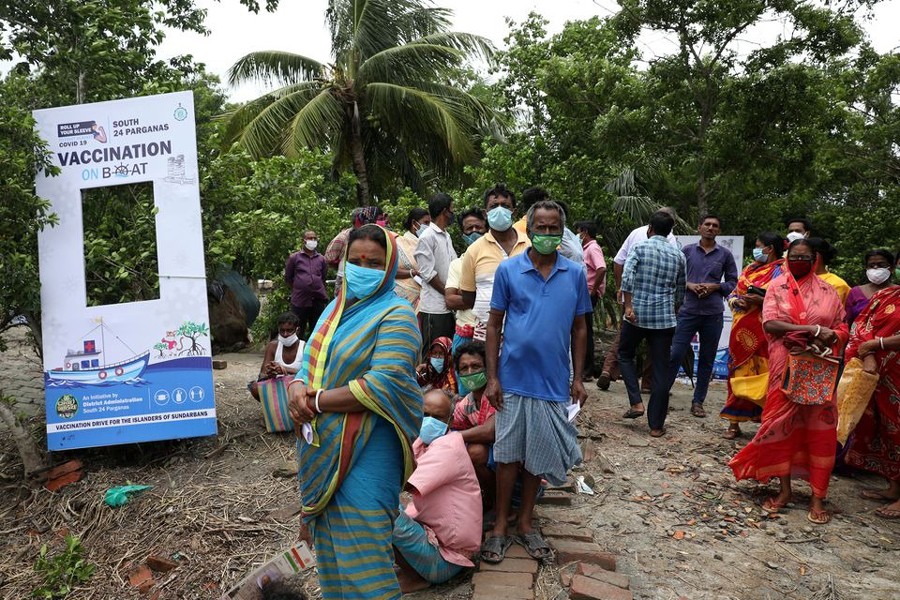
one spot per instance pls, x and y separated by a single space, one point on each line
386 107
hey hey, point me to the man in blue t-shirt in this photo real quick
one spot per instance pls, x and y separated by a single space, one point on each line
543 297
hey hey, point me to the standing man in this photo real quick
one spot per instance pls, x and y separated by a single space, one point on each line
434 253
798 228
305 273
610 371
480 262
596 282
473 223
711 276
652 285
542 297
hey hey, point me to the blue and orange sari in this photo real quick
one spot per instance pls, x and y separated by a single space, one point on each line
352 473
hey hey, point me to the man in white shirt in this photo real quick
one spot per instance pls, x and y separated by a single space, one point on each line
610 371
434 253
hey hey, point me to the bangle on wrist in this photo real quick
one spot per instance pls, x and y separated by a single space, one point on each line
318 393
881 342
818 330
295 380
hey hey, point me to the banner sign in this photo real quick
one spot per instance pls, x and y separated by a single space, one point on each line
735 243
137 371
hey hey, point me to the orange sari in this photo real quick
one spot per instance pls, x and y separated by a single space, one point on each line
875 443
748 349
794 440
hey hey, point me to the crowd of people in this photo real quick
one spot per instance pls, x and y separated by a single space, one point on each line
455 377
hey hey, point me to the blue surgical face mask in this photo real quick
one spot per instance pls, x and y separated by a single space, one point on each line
759 255
472 237
437 362
431 430
499 218
361 281
422 227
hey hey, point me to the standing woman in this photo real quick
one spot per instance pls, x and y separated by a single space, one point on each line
875 444
879 265
827 253
406 287
357 390
748 368
797 439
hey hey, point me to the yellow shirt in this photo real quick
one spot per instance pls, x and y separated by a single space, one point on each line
839 285
463 317
479 264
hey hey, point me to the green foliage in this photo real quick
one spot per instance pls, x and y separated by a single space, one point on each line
63 571
383 107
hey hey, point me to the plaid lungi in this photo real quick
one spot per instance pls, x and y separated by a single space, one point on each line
537 433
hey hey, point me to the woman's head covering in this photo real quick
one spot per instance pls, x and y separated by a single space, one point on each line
366 215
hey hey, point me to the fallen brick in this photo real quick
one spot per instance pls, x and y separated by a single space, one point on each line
557 515
220 364
147 586
63 469
555 499
63 480
160 564
564 530
511 565
140 575
521 580
586 588
507 592
572 551
601 574
565 578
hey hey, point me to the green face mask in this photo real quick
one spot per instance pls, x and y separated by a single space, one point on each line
546 244
474 381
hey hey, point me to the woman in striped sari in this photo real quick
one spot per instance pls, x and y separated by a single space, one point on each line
356 401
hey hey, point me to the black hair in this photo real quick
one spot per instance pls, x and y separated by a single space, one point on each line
589 226
662 223
886 254
288 317
534 194
770 238
438 203
564 207
499 189
804 242
413 215
807 226
475 211
826 250
472 347
368 232
710 216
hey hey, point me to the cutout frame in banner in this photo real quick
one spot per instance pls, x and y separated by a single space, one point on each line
139 371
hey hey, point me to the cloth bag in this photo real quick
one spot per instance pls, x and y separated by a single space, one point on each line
751 387
273 399
810 379
854 391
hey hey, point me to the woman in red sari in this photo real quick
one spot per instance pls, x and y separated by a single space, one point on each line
875 445
748 349
796 440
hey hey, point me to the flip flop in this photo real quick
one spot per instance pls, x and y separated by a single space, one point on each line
657 432
698 411
632 414
888 513
876 495
494 549
821 517
535 545
771 506
731 434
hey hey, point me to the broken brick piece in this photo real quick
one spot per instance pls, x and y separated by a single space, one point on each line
565 530
160 564
140 575
586 588
67 467
219 364
601 574
62 481
572 551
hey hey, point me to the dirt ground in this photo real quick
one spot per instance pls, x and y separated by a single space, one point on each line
668 507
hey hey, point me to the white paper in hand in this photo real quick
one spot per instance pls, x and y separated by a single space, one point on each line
307 432
573 410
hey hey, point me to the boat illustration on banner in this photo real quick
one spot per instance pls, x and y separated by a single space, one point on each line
88 365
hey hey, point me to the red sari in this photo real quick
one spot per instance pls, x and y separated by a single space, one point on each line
748 349
794 440
875 445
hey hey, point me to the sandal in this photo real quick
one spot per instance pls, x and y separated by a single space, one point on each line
771 505
731 433
632 414
697 410
876 495
886 512
494 549
535 545
821 517
658 432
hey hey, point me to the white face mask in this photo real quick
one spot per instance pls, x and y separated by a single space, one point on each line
311 244
878 276
794 236
288 341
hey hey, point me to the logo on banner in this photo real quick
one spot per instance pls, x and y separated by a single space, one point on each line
180 113
81 128
67 406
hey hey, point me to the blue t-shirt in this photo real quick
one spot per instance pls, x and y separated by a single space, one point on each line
537 335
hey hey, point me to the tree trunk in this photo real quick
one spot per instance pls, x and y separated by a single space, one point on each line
32 459
358 153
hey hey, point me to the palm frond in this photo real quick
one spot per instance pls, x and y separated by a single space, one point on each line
415 61
315 124
239 117
470 44
382 24
274 67
261 125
